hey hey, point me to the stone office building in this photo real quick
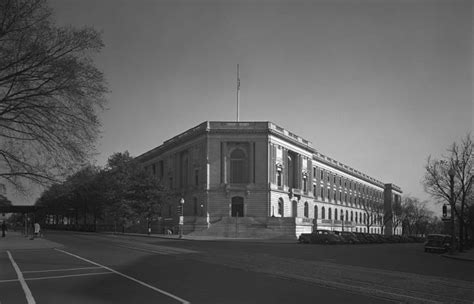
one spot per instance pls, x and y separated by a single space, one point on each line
258 179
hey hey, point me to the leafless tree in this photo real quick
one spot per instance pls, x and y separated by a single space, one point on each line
437 180
50 94
415 216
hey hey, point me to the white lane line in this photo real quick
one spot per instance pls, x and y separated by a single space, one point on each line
161 250
67 276
145 250
6 281
126 276
64 269
29 296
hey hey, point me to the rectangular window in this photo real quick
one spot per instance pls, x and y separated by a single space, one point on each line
321 191
314 172
322 174
162 169
329 195
305 185
279 177
314 191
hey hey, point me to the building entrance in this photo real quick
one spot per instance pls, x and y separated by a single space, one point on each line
237 209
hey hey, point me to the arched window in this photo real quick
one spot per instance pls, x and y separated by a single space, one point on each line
306 209
347 215
356 217
280 207
238 166
323 213
329 213
315 211
352 216
335 213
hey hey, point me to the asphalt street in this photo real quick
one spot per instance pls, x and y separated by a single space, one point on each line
91 268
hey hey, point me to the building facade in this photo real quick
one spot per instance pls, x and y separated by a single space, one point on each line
268 178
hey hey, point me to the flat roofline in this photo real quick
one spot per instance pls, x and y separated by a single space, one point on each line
273 128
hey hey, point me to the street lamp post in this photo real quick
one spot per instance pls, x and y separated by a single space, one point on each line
452 202
181 218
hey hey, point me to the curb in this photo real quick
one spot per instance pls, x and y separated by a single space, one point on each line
456 257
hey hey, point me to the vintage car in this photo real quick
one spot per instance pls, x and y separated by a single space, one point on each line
438 243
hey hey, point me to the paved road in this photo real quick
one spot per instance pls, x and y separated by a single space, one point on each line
107 269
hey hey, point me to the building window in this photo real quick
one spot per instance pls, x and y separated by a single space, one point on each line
315 211
238 164
335 195
280 207
352 216
162 169
329 195
323 213
347 215
305 187
315 194
306 209
314 172
321 190
335 213
322 174
279 176
329 213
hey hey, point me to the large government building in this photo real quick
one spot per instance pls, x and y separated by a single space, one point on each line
258 179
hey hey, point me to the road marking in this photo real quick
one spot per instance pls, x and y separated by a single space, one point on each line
28 295
165 250
64 269
126 276
67 276
6 281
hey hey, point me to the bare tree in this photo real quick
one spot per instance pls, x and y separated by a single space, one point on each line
415 216
437 180
50 94
373 213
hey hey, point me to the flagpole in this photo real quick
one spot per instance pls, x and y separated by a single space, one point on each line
238 91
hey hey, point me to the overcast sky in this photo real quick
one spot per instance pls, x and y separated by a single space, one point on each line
378 85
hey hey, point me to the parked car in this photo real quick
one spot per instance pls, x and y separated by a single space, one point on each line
438 243
349 237
320 237
362 237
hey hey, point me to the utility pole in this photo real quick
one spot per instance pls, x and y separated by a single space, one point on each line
238 92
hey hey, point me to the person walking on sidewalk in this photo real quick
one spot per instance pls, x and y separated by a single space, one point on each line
37 229
4 228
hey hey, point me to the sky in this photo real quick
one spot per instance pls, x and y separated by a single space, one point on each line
378 85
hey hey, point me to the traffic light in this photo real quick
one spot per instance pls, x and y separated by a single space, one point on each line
445 210
180 210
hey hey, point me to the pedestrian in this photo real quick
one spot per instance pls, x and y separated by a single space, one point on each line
37 229
4 228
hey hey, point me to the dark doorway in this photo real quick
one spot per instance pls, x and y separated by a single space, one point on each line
237 206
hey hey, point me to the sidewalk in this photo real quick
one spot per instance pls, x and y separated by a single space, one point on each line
16 241
200 238
466 255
